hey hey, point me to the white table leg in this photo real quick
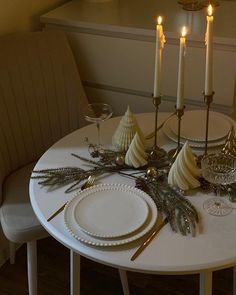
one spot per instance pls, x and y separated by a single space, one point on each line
74 273
124 281
32 266
205 283
234 280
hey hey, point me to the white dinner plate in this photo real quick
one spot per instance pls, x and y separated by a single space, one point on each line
110 213
193 125
82 236
194 144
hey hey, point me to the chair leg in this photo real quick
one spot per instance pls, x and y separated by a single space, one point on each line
12 252
32 267
124 281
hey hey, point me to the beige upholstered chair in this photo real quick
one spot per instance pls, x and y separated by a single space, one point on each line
41 98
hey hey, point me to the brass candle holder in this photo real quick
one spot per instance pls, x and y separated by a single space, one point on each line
205 3
156 152
172 154
208 100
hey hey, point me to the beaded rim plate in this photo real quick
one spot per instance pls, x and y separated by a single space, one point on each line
98 212
84 237
195 144
193 126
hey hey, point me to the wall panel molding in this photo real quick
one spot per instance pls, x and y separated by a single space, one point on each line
145 35
148 95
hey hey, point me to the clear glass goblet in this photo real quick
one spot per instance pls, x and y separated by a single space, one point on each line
97 113
218 169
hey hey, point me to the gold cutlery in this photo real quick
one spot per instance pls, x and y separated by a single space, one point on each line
150 135
57 212
87 184
149 239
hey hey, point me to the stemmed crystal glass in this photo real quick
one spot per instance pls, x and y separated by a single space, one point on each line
218 169
97 113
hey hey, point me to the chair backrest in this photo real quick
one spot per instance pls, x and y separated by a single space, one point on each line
41 96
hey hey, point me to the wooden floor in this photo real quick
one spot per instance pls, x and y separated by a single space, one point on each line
96 279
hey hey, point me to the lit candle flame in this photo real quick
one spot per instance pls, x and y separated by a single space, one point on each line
159 20
210 10
184 32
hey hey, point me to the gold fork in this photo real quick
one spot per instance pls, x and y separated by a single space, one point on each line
87 184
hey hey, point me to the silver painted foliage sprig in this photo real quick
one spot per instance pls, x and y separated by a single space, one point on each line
181 214
54 178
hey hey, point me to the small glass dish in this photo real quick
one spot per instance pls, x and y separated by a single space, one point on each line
218 169
217 206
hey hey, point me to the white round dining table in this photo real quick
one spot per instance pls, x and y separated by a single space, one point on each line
212 248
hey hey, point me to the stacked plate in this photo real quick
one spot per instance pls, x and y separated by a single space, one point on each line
193 128
110 215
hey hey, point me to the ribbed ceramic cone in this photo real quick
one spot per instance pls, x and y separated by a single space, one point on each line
125 131
184 172
136 155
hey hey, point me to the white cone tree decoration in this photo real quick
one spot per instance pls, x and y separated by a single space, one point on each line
136 155
184 172
125 132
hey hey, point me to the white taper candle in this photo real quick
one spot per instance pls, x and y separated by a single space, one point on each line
160 40
180 89
209 53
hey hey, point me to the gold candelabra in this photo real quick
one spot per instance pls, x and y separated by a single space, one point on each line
172 154
156 152
208 100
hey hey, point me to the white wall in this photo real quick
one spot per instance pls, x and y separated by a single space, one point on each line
23 15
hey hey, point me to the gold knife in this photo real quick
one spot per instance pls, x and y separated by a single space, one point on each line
57 212
149 239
